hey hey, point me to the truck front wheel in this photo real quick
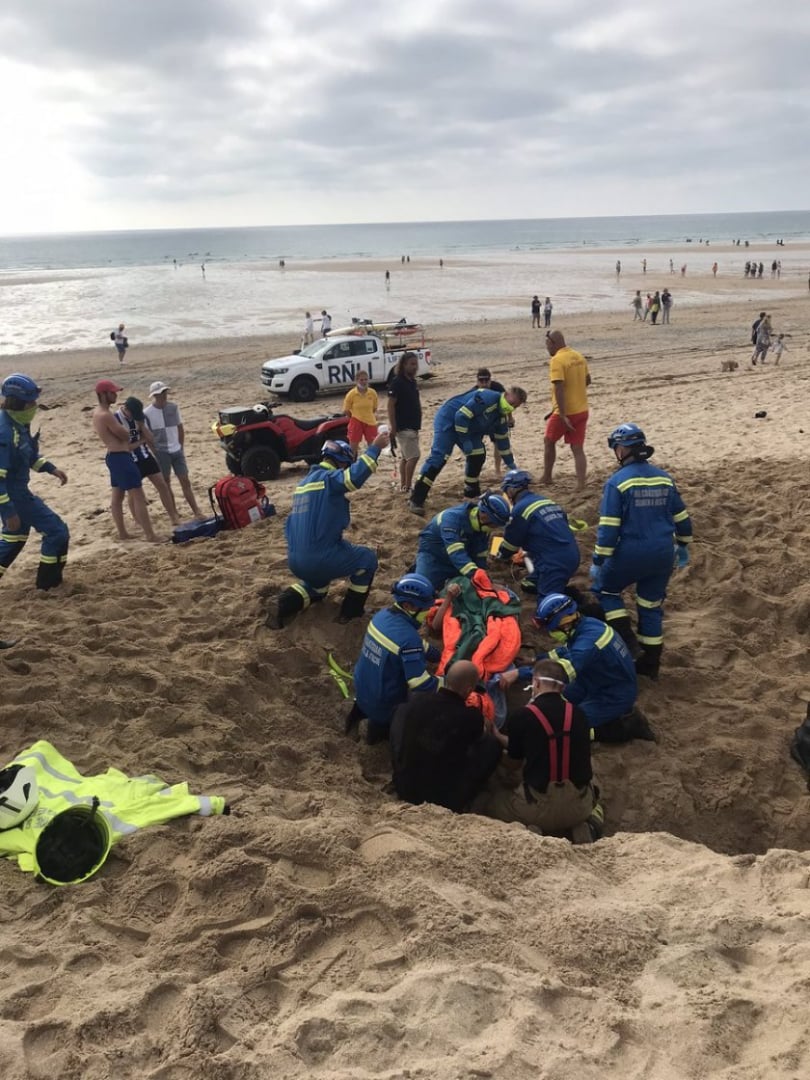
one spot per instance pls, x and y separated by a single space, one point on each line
304 388
261 463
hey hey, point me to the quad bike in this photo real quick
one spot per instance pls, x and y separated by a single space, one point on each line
256 440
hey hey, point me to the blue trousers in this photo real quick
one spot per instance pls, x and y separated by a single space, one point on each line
551 578
317 569
34 514
650 573
444 441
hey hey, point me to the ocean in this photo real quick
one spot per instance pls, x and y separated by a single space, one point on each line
69 291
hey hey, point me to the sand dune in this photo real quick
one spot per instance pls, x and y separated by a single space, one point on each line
325 930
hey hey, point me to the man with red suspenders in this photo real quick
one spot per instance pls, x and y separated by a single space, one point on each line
548 740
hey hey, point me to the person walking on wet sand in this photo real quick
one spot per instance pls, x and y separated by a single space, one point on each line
568 418
125 479
535 312
121 342
637 305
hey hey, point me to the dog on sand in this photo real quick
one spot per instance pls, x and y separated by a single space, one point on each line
728 365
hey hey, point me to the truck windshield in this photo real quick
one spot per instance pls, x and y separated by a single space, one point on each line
315 349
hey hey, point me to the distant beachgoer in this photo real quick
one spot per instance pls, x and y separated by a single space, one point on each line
761 270
281 264
407 258
618 267
763 342
121 342
536 312
125 478
402 260
637 304
202 267
778 348
671 267
714 269
326 323
683 270
647 305
644 266
666 305
773 269
387 277
441 263
547 309
655 307
778 268
309 329
175 263
747 268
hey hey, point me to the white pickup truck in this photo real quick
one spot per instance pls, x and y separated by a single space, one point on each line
333 363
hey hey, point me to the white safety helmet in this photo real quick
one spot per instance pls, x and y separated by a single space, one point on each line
19 794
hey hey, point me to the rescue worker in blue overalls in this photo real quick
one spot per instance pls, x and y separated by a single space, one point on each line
457 540
464 421
540 527
20 509
394 657
601 675
316 550
644 530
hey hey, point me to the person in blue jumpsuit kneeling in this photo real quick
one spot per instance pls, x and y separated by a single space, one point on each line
394 657
316 550
644 530
456 541
20 509
540 527
601 675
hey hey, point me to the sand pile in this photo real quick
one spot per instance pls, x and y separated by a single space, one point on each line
325 930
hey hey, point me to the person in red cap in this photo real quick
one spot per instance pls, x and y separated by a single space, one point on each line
125 476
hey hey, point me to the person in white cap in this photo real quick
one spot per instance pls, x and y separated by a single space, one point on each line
163 417
125 478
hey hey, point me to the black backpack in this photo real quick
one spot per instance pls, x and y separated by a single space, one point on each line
800 745
112 335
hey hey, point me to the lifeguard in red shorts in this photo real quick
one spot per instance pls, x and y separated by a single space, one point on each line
360 405
568 418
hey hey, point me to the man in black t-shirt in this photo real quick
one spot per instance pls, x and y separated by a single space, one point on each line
405 416
547 770
440 752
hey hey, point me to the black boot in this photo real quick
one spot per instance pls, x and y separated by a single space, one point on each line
472 489
49 575
283 609
421 490
353 605
624 628
649 663
632 725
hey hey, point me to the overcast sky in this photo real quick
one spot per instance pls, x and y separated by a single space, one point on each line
125 114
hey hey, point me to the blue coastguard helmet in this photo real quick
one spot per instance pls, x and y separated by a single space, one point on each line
553 608
495 507
414 589
337 451
626 435
516 479
20 386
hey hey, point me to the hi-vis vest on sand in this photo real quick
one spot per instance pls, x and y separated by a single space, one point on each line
127 804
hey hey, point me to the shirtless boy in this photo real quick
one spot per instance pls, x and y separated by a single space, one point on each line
125 476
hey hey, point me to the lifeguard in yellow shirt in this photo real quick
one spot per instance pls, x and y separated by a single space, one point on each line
568 418
360 405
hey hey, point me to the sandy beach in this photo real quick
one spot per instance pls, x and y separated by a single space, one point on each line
324 929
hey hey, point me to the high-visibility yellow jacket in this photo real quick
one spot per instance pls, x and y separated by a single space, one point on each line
127 803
